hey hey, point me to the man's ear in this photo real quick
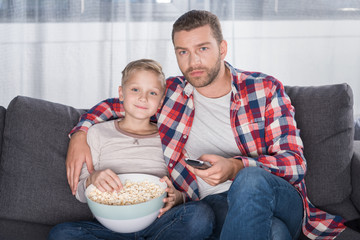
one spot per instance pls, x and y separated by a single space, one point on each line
121 95
223 49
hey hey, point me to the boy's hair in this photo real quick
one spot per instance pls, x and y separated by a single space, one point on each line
198 18
146 65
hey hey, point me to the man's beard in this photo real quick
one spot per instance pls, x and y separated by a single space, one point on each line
211 74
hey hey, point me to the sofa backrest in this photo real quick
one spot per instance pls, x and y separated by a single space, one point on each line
33 183
35 141
2 125
324 115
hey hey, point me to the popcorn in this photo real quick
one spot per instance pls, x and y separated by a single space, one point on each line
131 193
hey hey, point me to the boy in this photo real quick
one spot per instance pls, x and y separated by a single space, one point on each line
132 145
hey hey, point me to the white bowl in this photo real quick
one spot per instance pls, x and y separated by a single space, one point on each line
128 218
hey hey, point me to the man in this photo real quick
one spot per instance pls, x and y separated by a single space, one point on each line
243 124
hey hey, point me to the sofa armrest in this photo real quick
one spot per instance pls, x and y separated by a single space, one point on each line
355 173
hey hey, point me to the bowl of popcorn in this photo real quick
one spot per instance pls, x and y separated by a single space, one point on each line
131 209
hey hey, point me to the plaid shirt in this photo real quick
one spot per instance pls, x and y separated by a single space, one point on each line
262 120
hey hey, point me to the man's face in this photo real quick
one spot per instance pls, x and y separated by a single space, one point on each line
199 56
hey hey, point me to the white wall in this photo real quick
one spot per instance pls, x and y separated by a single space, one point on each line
89 57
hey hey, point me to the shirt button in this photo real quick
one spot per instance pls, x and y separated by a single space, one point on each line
185 137
170 165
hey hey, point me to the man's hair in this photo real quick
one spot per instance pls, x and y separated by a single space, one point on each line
198 18
146 65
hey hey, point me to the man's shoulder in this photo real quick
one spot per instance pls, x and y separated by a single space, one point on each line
175 84
175 80
249 79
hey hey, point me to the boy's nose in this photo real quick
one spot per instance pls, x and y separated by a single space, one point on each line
142 97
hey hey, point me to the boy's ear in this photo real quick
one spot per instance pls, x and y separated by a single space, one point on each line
161 102
121 95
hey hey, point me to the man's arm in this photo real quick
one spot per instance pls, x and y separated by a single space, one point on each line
79 151
108 109
284 148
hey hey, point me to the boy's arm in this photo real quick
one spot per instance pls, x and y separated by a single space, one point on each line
79 151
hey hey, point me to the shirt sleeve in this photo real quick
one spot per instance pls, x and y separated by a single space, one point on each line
284 147
108 109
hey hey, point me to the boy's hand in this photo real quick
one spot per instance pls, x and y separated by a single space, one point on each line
174 197
222 169
78 153
105 180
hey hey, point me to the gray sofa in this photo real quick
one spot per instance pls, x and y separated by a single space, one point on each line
34 194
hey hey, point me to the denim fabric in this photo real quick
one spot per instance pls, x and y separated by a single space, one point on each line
193 220
258 205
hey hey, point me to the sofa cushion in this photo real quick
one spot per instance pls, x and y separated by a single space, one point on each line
325 118
33 184
2 125
12 230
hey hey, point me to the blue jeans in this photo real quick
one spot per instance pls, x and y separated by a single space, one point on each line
258 205
193 220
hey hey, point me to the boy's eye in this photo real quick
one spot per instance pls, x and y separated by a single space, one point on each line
153 93
134 89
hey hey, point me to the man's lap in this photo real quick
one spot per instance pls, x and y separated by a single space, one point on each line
283 212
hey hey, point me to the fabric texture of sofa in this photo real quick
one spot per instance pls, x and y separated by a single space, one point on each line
34 194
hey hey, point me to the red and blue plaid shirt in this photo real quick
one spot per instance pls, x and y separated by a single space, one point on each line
262 120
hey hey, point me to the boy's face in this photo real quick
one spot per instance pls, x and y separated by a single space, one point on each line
199 55
142 94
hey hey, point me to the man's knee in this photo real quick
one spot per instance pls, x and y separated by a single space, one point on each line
251 177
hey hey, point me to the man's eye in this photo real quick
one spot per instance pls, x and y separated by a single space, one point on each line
203 48
182 52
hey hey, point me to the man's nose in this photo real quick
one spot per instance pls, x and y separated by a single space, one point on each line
195 59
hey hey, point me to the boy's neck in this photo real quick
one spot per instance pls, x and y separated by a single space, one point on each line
138 127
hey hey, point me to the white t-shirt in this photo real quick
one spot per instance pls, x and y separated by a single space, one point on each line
122 152
211 133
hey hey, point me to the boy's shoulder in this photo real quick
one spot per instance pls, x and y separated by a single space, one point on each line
102 127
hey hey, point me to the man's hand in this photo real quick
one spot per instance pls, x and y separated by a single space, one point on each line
222 169
78 153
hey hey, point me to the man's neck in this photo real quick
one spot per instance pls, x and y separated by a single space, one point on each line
220 86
